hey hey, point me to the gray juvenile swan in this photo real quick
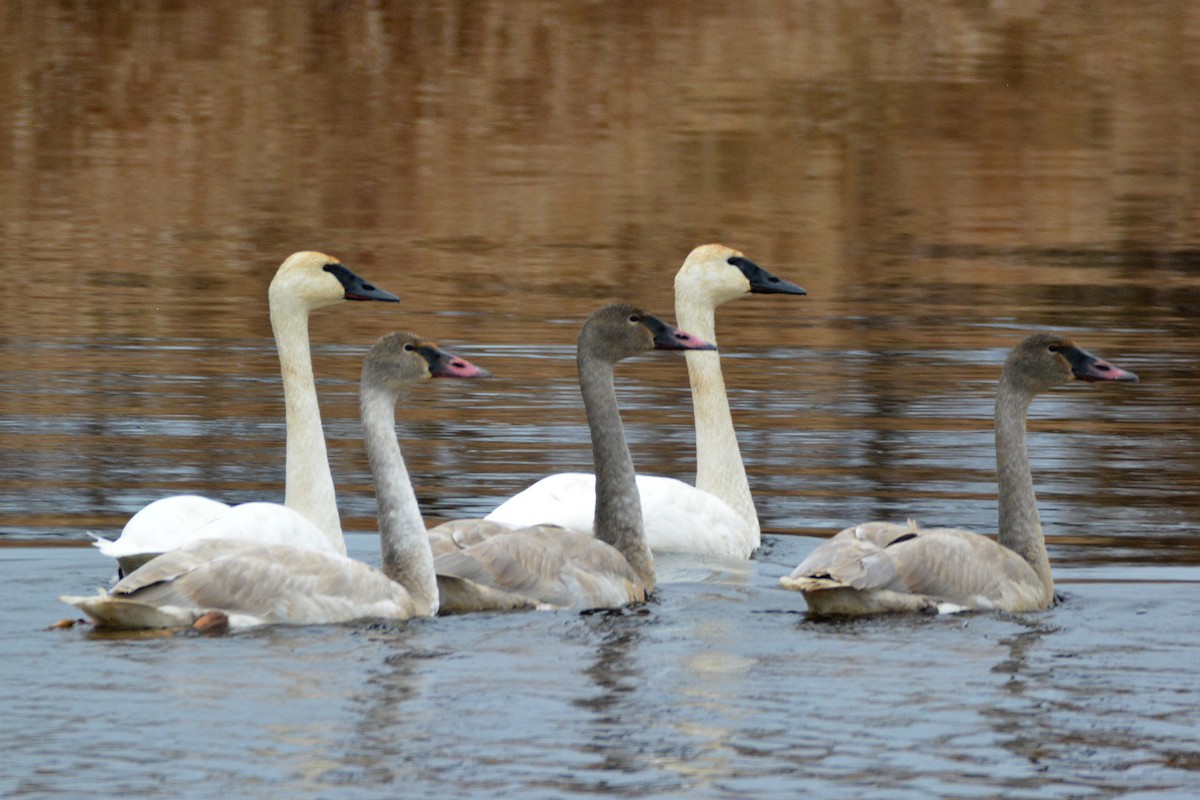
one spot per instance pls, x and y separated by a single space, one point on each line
255 584
308 518
881 567
485 565
716 516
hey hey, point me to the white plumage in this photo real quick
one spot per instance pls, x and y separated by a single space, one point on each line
308 518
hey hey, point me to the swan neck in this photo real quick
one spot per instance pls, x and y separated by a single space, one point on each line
618 517
719 467
1020 527
309 483
404 545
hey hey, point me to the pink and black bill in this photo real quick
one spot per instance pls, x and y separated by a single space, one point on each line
358 289
444 365
1087 367
668 337
761 281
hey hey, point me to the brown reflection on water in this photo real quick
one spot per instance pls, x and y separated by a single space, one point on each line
941 179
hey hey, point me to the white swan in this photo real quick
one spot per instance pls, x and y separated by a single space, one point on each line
716 516
486 565
882 567
248 583
309 517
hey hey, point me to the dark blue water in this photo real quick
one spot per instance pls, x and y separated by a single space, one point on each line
720 687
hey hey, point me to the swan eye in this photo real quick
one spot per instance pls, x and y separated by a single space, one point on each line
634 318
409 347
1054 348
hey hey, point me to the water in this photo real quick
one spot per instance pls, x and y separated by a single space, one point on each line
941 180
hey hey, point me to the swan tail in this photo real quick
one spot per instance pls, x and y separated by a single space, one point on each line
105 546
810 583
118 613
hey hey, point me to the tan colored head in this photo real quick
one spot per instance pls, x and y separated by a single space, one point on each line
1045 360
718 274
315 280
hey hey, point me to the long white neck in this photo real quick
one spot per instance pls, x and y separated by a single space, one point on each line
404 544
719 468
309 488
618 519
1020 528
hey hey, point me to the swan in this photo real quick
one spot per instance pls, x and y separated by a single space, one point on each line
250 583
305 281
883 567
488 565
716 516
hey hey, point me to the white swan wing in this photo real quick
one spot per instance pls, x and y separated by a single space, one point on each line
253 584
175 522
267 524
567 499
159 526
678 517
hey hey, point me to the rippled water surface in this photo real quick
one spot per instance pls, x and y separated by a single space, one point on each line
942 179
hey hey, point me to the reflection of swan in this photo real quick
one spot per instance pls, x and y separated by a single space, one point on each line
309 517
880 567
255 584
717 514
484 565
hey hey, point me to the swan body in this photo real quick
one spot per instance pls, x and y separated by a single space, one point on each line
716 516
882 567
251 583
484 565
304 282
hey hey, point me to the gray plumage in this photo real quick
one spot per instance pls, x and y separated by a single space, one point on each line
882 567
492 566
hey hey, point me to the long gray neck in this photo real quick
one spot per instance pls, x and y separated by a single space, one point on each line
719 467
309 483
618 519
404 544
1020 527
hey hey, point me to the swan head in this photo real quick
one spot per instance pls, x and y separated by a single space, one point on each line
715 274
1044 360
315 280
620 330
400 359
